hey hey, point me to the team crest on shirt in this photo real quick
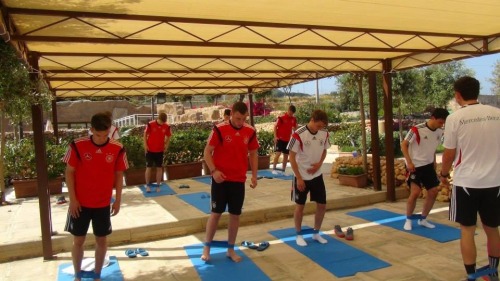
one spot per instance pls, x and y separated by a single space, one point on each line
307 143
321 142
245 140
87 156
109 158
228 139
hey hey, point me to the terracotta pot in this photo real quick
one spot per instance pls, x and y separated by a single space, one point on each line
354 180
184 170
263 162
29 187
137 176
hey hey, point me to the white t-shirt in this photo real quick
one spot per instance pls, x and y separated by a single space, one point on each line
309 148
474 131
423 143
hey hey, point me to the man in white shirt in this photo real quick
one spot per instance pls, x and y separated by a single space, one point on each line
419 150
472 145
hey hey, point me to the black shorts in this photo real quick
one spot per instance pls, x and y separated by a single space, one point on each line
466 203
424 176
154 159
101 222
230 194
281 146
317 188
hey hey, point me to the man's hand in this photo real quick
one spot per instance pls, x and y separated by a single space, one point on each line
314 168
115 208
254 182
411 167
74 208
219 176
301 185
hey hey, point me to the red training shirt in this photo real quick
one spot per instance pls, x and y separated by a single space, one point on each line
156 134
231 149
285 125
95 167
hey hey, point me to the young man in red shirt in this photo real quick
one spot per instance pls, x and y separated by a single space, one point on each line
156 139
95 166
283 129
229 146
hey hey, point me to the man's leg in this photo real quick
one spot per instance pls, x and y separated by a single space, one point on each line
77 254
276 158
468 244
212 223
297 218
411 203
148 176
100 253
493 237
232 232
285 161
318 221
159 177
429 201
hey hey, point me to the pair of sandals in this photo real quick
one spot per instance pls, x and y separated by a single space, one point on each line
259 247
132 253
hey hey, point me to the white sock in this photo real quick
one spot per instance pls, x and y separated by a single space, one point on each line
425 223
300 241
320 239
407 225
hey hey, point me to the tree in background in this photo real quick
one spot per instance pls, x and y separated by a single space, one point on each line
496 79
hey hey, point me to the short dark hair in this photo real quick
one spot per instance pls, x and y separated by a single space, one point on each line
240 107
319 115
100 122
227 112
468 87
163 117
292 108
440 113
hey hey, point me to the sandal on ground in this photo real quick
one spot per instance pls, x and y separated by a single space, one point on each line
249 245
130 253
142 252
262 246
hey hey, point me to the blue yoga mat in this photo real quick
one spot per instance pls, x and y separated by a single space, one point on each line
199 200
205 179
164 190
110 273
221 268
442 233
269 174
336 257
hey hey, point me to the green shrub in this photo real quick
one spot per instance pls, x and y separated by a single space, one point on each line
304 111
186 146
266 142
134 146
351 170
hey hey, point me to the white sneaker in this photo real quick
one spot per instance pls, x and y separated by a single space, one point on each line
425 223
407 225
320 239
300 241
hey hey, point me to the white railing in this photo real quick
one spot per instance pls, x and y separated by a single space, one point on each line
138 119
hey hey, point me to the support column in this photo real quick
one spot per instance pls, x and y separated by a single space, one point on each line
54 120
41 164
372 93
389 136
250 106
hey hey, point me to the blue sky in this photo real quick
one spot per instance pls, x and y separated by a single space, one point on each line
483 66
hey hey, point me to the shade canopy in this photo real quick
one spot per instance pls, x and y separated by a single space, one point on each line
187 47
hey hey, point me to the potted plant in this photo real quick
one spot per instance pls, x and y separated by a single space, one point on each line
266 147
353 176
185 152
20 164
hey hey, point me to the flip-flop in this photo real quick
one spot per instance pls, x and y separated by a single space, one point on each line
249 245
142 252
263 245
130 253
183 186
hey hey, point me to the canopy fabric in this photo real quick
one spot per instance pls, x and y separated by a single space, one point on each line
188 47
